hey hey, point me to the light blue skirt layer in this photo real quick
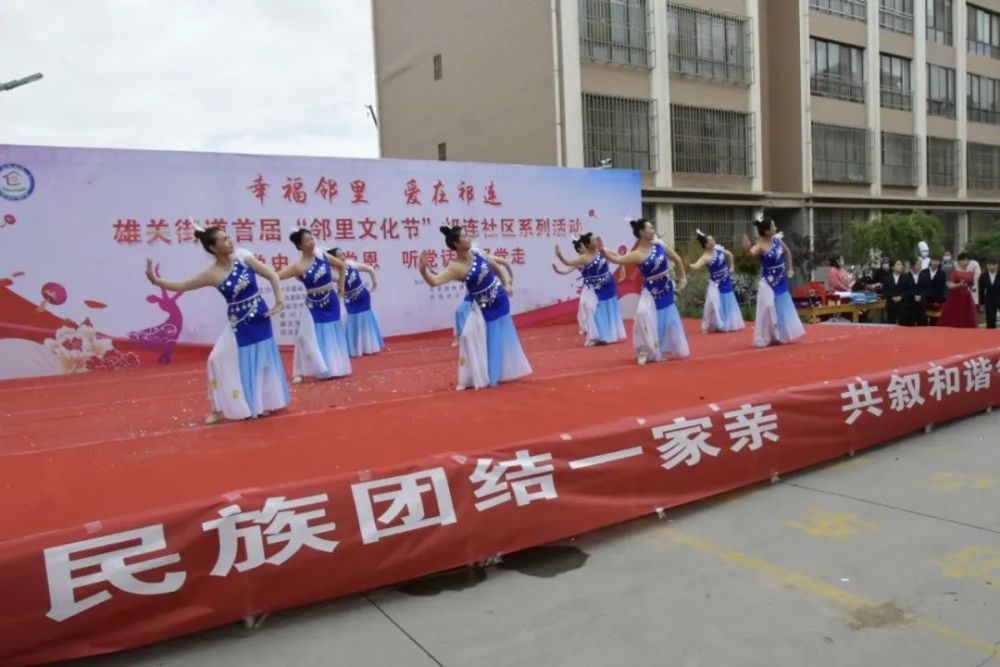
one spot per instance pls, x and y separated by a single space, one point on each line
670 328
332 340
363 334
505 358
461 315
263 376
608 320
777 321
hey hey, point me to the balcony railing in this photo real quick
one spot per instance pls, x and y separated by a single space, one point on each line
940 108
899 159
984 49
838 87
897 99
988 116
895 20
852 9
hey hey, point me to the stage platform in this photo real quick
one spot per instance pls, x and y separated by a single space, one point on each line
415 476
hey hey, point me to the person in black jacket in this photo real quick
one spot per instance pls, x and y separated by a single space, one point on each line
894 291
913 312
932 287
989 292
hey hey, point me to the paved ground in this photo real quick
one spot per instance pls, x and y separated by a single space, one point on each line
890 558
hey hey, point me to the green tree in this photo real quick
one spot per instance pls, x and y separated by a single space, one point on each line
985 244
892 234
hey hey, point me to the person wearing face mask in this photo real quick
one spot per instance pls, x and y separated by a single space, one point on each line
924 252
883 271
947 263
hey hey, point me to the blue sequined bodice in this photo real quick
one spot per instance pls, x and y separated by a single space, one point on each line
485 288
772 267
655 270
597 275
323 304
718 270
356 295
247 308
318 274
353 284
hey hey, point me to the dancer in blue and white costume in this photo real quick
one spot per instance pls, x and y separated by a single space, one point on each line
465 307
600 313
489 350
658 331
722 310
777 321
581 312
363 334
321 340
245 374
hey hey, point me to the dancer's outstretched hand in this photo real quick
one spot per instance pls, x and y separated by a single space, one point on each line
509 290
278 306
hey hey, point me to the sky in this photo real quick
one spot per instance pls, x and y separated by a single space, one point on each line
284 77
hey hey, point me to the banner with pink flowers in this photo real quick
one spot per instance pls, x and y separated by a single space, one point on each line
77 225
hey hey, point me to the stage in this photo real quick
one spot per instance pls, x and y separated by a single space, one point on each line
400 476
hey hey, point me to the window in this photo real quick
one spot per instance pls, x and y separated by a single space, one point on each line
984 167
895 82
837 70
832 223
615 31
899 165
841 154
711 141
442 151
896 15
942 162
984 32
852 9
621 130
949 223
726 224
940 91
984 99
709 44
437 67
939 21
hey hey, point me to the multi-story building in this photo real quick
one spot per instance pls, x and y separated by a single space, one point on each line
821 111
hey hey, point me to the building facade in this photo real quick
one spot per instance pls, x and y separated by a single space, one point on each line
821 111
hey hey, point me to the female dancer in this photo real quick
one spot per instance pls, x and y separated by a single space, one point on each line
363 334
465 307
776 321
658 330
489 350
959 309
581 313
599 298
321 341
722 310
245 374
